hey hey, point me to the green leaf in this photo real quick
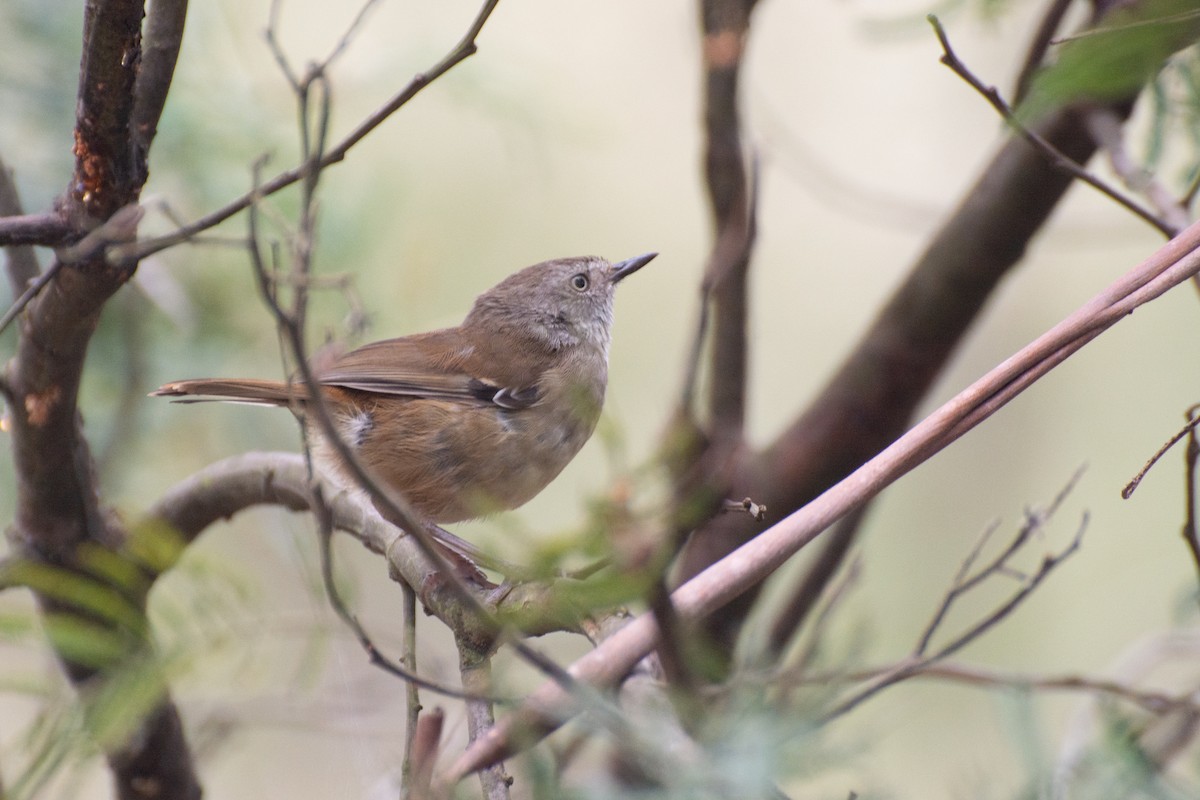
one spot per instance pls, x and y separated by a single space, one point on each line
84 642
1116 59
79 591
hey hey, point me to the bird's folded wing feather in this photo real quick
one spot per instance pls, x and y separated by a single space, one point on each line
439 364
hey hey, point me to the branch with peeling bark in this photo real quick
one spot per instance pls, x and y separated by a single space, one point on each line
126 71
59 511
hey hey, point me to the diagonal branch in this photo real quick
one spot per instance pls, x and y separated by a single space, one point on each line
1055 156
1175 262
870 400
1051 20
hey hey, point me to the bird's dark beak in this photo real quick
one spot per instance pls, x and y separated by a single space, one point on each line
623 269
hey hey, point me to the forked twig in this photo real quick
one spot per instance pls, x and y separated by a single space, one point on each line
920 659
1056 157
464 49
120 227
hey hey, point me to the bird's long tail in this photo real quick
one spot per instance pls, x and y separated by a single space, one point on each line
255 392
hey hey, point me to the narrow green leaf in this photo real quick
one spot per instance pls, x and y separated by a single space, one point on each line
79 591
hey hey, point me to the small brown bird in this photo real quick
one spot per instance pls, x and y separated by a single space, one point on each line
474 419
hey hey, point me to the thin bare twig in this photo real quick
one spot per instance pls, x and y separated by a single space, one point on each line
1153 701
412 708
1189 195
476 670
964 581
795 609
1106 128
836 593
1191 456
920 660
314 125
324 517
323 65
291 326
1055 156
31 291
465 48
281 60
1193 420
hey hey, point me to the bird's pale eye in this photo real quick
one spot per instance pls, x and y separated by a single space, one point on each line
580 282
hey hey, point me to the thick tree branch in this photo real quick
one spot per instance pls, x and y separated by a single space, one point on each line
163 37
725 25
228 487
59 512
109 170
870 399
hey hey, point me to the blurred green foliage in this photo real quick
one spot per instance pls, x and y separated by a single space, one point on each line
1116 59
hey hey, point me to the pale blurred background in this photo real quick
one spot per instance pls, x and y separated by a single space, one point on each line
575 130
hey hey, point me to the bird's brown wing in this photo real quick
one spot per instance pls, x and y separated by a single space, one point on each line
438 364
